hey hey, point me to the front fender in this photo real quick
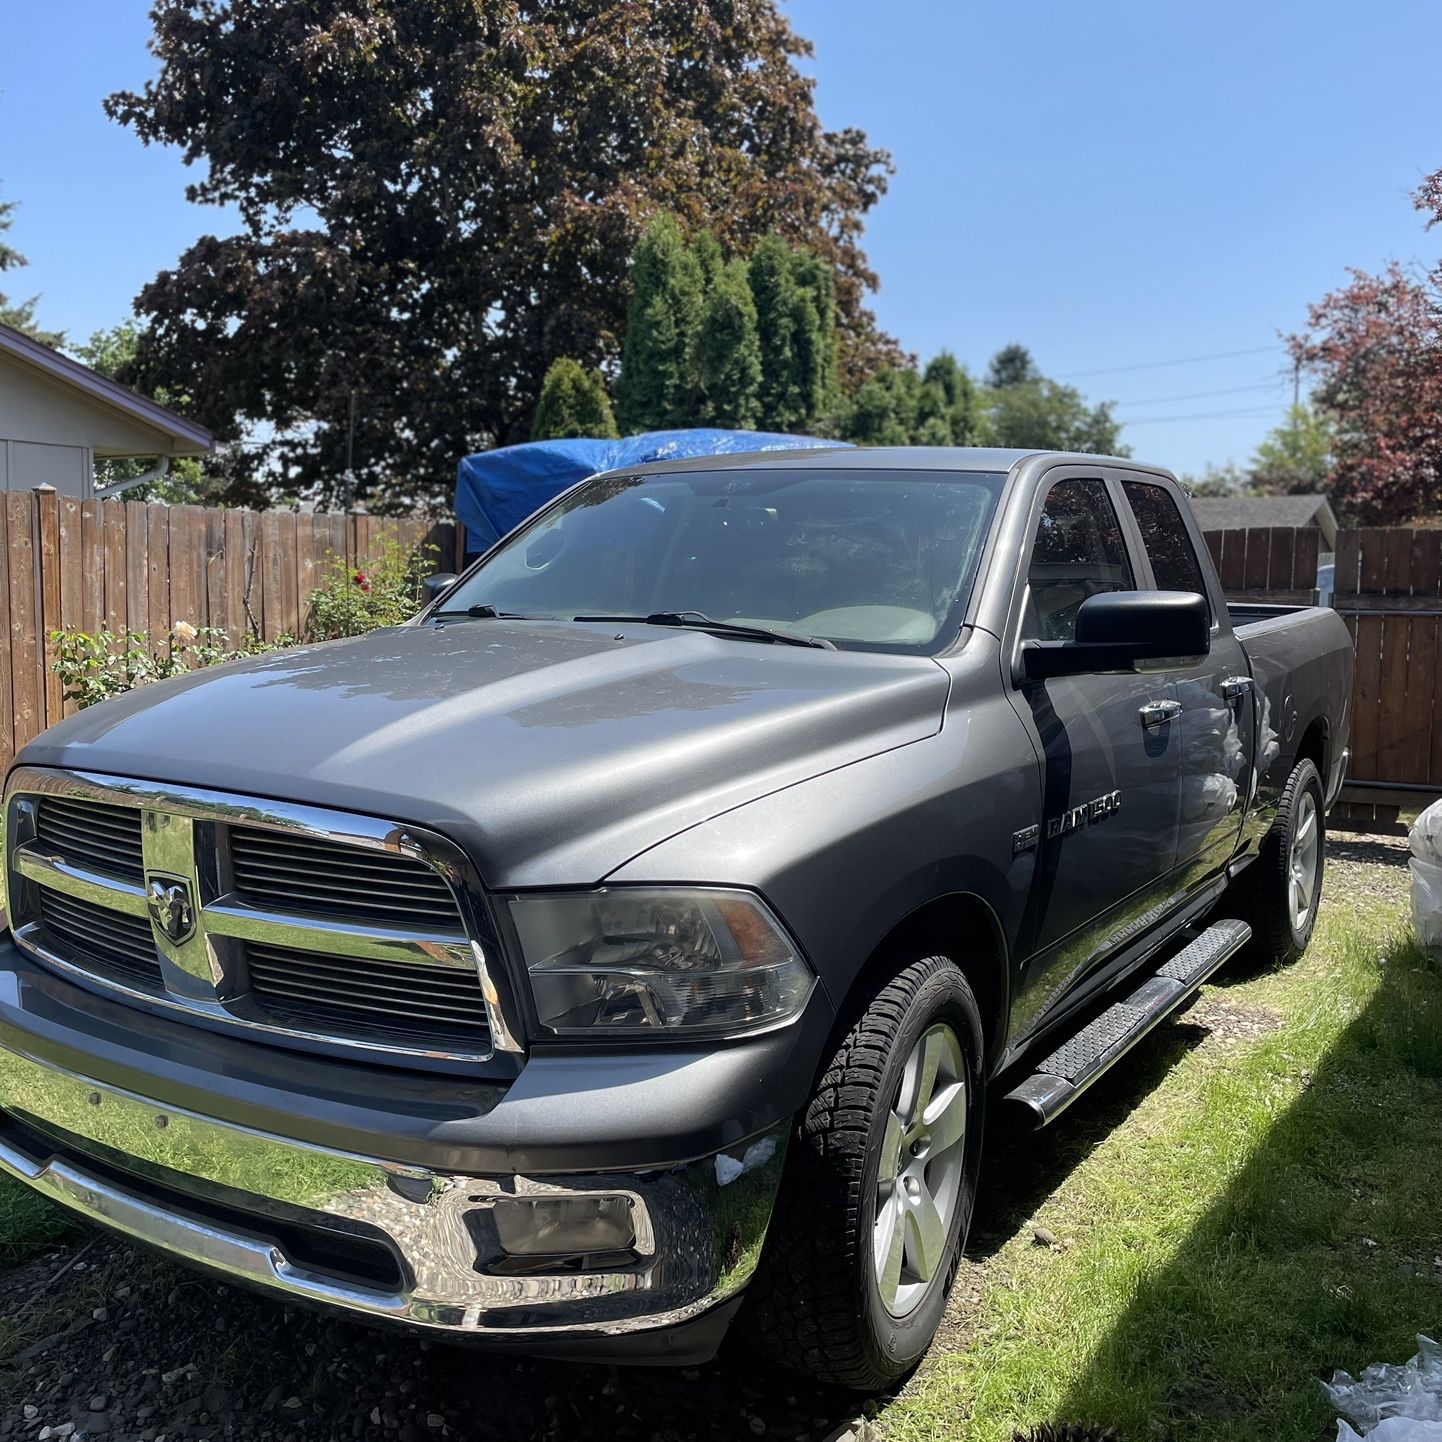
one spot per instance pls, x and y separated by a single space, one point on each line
845 856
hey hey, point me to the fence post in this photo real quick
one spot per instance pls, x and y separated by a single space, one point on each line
47 561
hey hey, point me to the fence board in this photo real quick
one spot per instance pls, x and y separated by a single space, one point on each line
92 566
187 565
48 532
137 567
26 683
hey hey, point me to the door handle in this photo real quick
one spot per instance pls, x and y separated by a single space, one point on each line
1235 686
1158 713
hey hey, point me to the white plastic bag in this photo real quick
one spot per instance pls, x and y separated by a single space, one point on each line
1426 835
1391 1403
1427 902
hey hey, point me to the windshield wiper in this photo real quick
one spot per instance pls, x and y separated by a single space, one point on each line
700 621
485 613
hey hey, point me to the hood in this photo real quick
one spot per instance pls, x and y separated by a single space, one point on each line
552 751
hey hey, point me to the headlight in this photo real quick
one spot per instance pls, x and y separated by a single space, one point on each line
637 961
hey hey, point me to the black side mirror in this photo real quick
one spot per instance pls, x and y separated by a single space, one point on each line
434 587
1117 629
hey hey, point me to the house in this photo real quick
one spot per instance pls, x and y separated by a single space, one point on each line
1235 513
58 416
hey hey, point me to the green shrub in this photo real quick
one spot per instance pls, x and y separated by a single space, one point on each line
383 591
95 665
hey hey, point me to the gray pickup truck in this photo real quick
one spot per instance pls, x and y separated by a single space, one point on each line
639 938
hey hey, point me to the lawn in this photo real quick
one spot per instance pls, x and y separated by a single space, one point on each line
1253 1200
1263 1207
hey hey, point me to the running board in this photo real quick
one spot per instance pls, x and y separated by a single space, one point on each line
1073 1067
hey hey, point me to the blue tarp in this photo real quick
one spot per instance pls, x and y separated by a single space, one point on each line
497 490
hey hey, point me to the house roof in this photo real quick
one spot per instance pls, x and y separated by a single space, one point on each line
187 438
1227 513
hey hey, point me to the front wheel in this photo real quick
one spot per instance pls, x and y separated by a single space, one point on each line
1279 892
878 1192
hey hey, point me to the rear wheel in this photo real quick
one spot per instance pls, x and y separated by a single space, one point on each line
1279 892
878 1191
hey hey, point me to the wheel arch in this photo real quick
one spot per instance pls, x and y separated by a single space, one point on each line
960 925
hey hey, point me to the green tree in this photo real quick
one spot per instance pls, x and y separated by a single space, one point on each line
1219 482
1030 411
108 353
438 197
573 403
1012 365
796 329
657 389
728 348
904 407
20 314
1296 457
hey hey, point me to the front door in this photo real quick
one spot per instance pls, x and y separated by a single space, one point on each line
1110 749
1215 696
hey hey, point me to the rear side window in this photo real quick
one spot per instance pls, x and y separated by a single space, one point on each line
1164 534
1077 552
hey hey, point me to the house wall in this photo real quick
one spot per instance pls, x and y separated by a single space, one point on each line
50 432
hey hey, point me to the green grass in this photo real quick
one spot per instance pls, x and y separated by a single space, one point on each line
28 1223
1237 1219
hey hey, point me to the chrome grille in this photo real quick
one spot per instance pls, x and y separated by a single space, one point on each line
294 873
300 925
114 943
92 834
429 1003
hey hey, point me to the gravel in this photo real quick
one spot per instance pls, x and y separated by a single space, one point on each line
117 1344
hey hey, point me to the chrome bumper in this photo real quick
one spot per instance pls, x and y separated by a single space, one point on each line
227 1198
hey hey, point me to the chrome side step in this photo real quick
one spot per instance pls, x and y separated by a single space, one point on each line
1074 1066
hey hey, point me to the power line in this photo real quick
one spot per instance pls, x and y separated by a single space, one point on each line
1270 385
1183 361
1255 411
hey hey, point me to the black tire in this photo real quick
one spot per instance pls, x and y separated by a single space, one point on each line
1262 895
815 1304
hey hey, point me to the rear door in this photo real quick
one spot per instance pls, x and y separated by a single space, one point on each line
1216 695
1110 753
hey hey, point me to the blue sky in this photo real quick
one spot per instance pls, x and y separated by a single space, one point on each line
1114 184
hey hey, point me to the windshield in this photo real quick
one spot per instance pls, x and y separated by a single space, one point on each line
873 559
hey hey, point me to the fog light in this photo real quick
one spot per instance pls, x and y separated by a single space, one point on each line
563 1226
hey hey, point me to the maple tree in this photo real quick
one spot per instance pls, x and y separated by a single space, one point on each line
440 197
1374 348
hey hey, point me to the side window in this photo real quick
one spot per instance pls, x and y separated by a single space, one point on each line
1078 552
1164 533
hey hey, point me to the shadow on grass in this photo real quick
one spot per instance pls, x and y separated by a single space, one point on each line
1324 1250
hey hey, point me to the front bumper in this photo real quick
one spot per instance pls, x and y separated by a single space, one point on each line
113 1132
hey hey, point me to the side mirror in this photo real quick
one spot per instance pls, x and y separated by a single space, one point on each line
434 587
1119 628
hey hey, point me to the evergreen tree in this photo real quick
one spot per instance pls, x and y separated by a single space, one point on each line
1012 365
796 325
573 403
774 292
657 388
20 314
937 407
728 350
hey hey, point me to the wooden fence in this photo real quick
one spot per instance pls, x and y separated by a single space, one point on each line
1388 589
128 565
1272 564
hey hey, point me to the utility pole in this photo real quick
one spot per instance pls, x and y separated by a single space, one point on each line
350 456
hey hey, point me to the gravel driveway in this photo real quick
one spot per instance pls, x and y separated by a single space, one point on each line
121 1345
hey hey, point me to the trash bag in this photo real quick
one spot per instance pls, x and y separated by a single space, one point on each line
1389 1403
1427 902
1426 835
